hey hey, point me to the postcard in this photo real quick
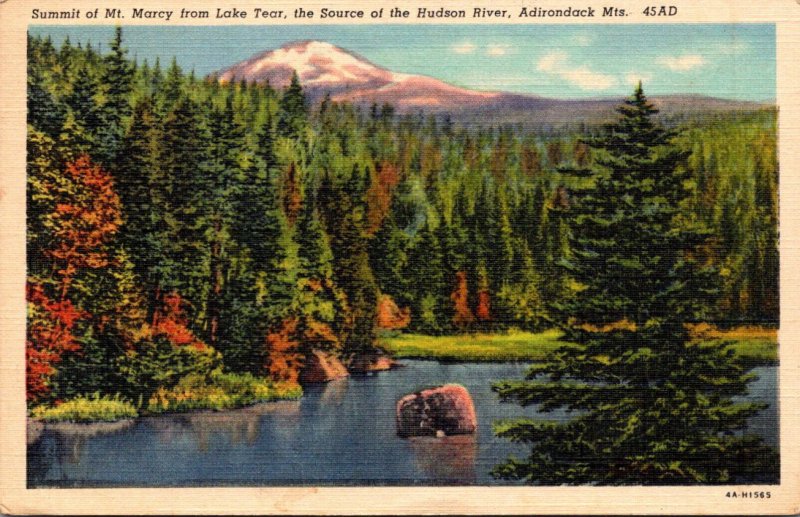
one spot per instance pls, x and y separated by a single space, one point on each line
426 257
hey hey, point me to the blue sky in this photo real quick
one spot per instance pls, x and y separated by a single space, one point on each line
730 61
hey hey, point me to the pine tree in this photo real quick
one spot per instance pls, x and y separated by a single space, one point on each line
344 222
44 113
171 87
765 263
653 406
292 110
117 83
427 284
142 195
388 256
319 303
223 172
185 263
83 120
262 283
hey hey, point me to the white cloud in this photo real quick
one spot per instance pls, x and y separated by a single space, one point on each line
582 40
552 62
633 78
463 48
732 48
497 50
583 77
586 79
682 63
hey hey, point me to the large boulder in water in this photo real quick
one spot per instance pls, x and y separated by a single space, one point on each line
443 410
322 367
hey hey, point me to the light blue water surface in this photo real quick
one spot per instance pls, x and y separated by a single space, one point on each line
341 433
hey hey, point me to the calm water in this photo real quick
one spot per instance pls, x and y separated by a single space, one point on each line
342 433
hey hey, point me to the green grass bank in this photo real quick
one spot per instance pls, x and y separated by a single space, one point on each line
754 345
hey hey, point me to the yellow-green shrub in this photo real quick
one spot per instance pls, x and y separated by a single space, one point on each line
220 391
87 409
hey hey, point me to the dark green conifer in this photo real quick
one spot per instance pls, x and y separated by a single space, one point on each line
651 406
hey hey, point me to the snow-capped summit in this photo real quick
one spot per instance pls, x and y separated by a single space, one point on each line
324 68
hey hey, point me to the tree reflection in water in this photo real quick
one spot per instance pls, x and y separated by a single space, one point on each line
237 426
448 460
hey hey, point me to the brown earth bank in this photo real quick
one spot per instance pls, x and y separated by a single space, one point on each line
374 362
322 367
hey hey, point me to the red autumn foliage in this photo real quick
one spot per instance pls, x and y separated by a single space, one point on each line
462 316
390 316
84 221
85 218
170 321
379 195
49 336
285 359
483 311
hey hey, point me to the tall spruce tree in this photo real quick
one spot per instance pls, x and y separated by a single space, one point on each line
143 195
650 405
117 78
292 110
343 218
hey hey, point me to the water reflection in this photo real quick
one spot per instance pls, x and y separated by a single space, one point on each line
331 394
60 447
235 427
448 460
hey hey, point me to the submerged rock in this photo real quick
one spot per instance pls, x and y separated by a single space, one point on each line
322 367
440 411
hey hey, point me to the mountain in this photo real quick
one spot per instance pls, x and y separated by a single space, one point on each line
325 69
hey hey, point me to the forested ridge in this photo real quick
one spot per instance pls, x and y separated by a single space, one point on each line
180 226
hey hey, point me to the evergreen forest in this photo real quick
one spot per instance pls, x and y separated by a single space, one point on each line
184 228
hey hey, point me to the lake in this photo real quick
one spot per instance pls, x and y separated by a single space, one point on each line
341 433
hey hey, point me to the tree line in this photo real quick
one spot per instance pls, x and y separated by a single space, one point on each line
177 224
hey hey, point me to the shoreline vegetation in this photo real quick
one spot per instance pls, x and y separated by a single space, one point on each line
220 391
754 346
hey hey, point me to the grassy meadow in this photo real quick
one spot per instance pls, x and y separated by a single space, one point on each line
753 345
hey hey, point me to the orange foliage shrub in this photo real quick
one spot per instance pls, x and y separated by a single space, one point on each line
462 316
483 311
170 321
85 222
379 196
390 316
285 359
